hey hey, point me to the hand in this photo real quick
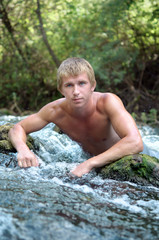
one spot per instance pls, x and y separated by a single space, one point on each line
82 169
27 159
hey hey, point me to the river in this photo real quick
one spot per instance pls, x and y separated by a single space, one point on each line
44 203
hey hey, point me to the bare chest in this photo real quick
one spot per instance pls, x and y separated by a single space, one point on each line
94 134
79 129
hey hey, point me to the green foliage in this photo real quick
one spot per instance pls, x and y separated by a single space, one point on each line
147 117
144 117
134 115
120 38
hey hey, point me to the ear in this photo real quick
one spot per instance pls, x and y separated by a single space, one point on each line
93 86
60 90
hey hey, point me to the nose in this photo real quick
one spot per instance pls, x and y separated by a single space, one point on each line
75 90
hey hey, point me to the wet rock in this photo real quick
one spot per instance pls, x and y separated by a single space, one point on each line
57 129
8 160
5 144
139 168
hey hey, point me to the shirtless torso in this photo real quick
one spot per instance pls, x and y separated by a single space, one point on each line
94 133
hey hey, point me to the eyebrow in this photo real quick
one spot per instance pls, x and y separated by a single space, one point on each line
72 82
66 83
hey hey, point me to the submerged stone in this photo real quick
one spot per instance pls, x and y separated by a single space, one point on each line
139 168
6 145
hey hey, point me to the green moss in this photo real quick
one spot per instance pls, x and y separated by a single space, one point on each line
138 168
4 129
6 145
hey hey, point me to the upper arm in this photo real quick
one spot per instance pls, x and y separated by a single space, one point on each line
121 120
49 113
32 123
37 120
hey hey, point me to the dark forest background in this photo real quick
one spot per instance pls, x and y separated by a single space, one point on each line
120 38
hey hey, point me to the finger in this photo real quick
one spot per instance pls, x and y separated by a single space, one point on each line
34 162
20 164
24 164
28 163
71 174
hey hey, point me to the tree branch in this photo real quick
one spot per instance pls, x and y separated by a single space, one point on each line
10 29
50 50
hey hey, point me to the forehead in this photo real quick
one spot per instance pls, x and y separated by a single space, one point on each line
81 76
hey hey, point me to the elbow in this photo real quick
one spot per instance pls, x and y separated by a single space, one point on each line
11 132
138 145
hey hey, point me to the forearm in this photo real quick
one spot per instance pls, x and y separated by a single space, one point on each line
25 157
18 138
122 148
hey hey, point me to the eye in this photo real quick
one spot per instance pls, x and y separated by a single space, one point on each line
82 83
68 85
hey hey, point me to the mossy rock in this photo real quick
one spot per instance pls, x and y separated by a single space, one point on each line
139 168
6 145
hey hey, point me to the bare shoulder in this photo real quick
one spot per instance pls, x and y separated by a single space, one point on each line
108 102
52 110
45 115
111 106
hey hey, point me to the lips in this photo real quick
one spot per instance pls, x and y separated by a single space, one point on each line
76 99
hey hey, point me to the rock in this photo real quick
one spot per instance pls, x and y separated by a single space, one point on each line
6 145
57 129
139 168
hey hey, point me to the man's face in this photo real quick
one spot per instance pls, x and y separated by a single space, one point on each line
77 90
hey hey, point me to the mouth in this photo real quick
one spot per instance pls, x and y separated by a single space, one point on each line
76 99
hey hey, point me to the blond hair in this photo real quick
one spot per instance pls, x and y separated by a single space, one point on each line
73 67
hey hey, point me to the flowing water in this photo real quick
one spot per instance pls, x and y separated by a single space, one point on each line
46 203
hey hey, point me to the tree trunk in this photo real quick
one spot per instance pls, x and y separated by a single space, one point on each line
54 58
7 24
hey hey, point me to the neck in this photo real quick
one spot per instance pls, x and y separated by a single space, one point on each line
85 111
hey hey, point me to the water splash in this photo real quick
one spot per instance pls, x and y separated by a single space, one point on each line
46 203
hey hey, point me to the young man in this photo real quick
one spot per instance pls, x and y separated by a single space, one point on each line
98 121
